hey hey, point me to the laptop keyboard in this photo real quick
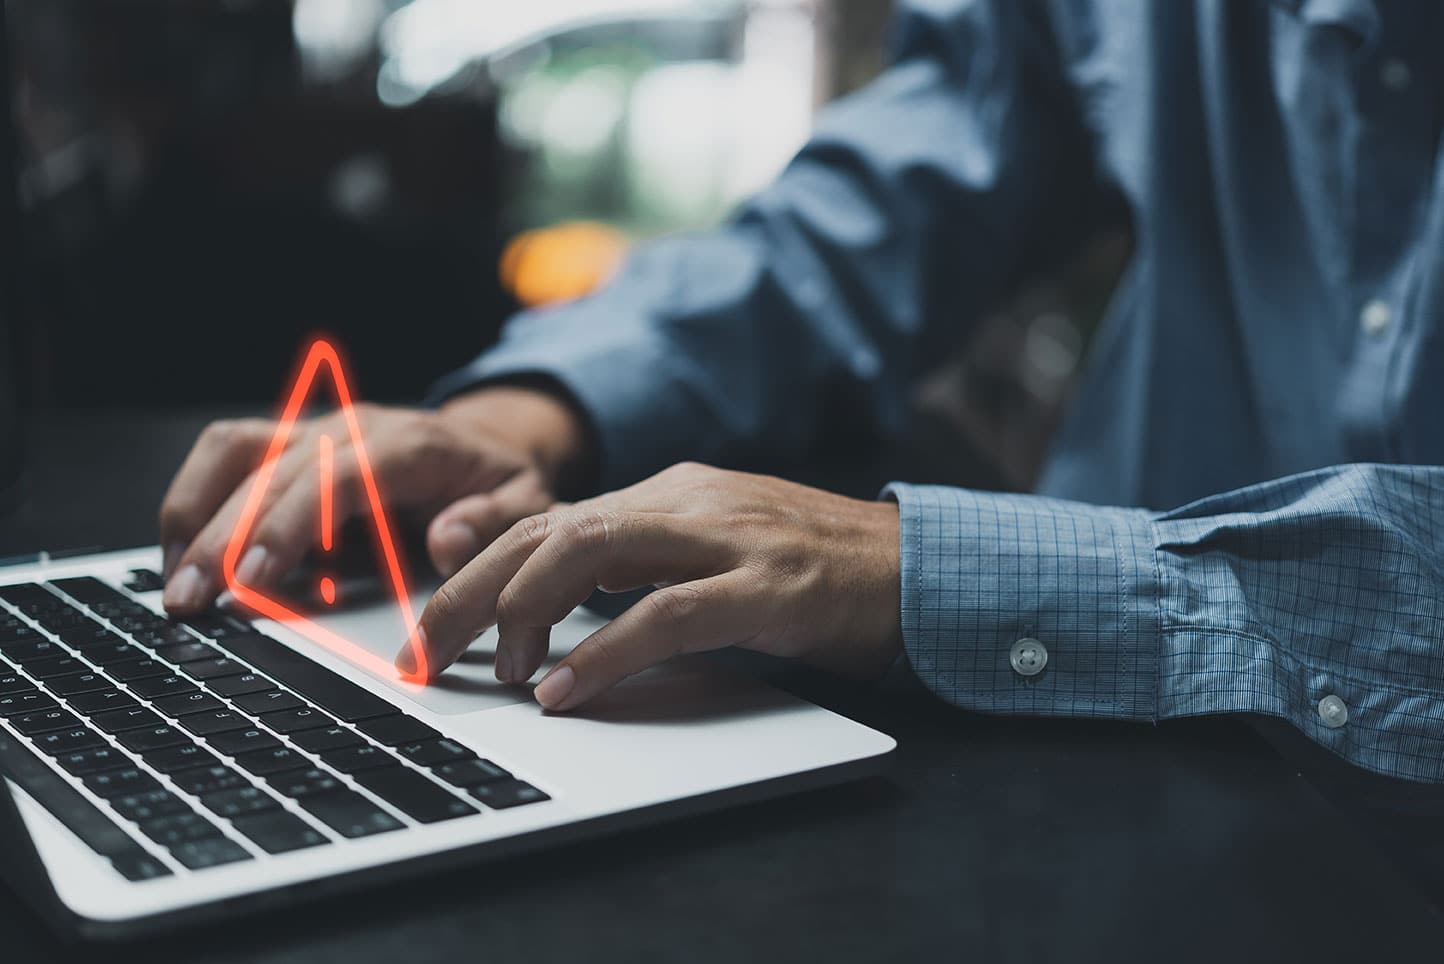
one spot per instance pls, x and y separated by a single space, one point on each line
208 742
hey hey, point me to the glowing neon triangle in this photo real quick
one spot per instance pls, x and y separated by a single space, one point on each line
322 354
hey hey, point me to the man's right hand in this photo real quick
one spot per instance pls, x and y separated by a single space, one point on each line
467 471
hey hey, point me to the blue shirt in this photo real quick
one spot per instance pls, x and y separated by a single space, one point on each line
1266 365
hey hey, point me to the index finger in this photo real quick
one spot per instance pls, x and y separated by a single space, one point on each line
223 456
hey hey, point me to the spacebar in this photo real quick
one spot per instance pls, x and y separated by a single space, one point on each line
337 696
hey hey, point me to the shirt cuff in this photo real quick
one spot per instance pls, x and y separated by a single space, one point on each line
623 378
981 571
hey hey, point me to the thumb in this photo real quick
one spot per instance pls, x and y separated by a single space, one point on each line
472 523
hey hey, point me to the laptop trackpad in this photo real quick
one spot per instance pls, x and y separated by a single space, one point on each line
470 684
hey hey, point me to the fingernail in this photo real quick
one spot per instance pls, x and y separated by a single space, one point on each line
187 590
503 665
252 568
555 687
169 557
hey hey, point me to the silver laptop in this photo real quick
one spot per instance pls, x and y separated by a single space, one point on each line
159 771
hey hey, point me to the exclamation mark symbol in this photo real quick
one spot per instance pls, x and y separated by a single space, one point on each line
327 585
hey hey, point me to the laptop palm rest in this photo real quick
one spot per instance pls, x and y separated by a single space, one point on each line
371 621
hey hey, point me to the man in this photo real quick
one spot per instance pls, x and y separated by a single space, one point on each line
1270 350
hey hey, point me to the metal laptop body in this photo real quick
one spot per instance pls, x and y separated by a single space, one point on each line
675 740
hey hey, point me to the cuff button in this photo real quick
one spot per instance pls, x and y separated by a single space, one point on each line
1333 711
1028 657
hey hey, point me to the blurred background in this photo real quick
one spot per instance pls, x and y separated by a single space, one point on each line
205 182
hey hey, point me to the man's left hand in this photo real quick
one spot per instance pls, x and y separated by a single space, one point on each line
737 559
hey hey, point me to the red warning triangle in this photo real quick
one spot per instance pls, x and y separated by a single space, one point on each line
322 356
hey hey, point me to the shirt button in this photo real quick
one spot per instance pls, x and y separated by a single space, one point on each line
1394 74
1333 711
1376 317
1028 657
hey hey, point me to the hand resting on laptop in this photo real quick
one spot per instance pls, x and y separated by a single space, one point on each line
740 560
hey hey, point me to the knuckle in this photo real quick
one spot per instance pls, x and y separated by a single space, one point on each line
532 528
588 528
509 608
445 606
676 604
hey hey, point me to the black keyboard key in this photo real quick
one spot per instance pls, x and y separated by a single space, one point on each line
173 759
149 805
13 631
32 648
293 721
99 701
186 652
22 592
204 669
300 783
138 865
184 704
51 666
241 685
216 721
259 703
217 625
138 669
14 683
471 773
239 803
79 683
45 721
114 783
236 742
414 795
209 779
212 852
89 590
265 762
179 828
85 762
332 693
144 580
155 632
85 634
349 814
330 738
153 738
163 686
279 832
396 730
118 721
505 794
22 704
107 655
357 758
102 641
435 752
67 741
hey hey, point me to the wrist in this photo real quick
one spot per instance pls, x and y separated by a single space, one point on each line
542 424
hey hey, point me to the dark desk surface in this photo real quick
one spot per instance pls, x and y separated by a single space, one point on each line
990 839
